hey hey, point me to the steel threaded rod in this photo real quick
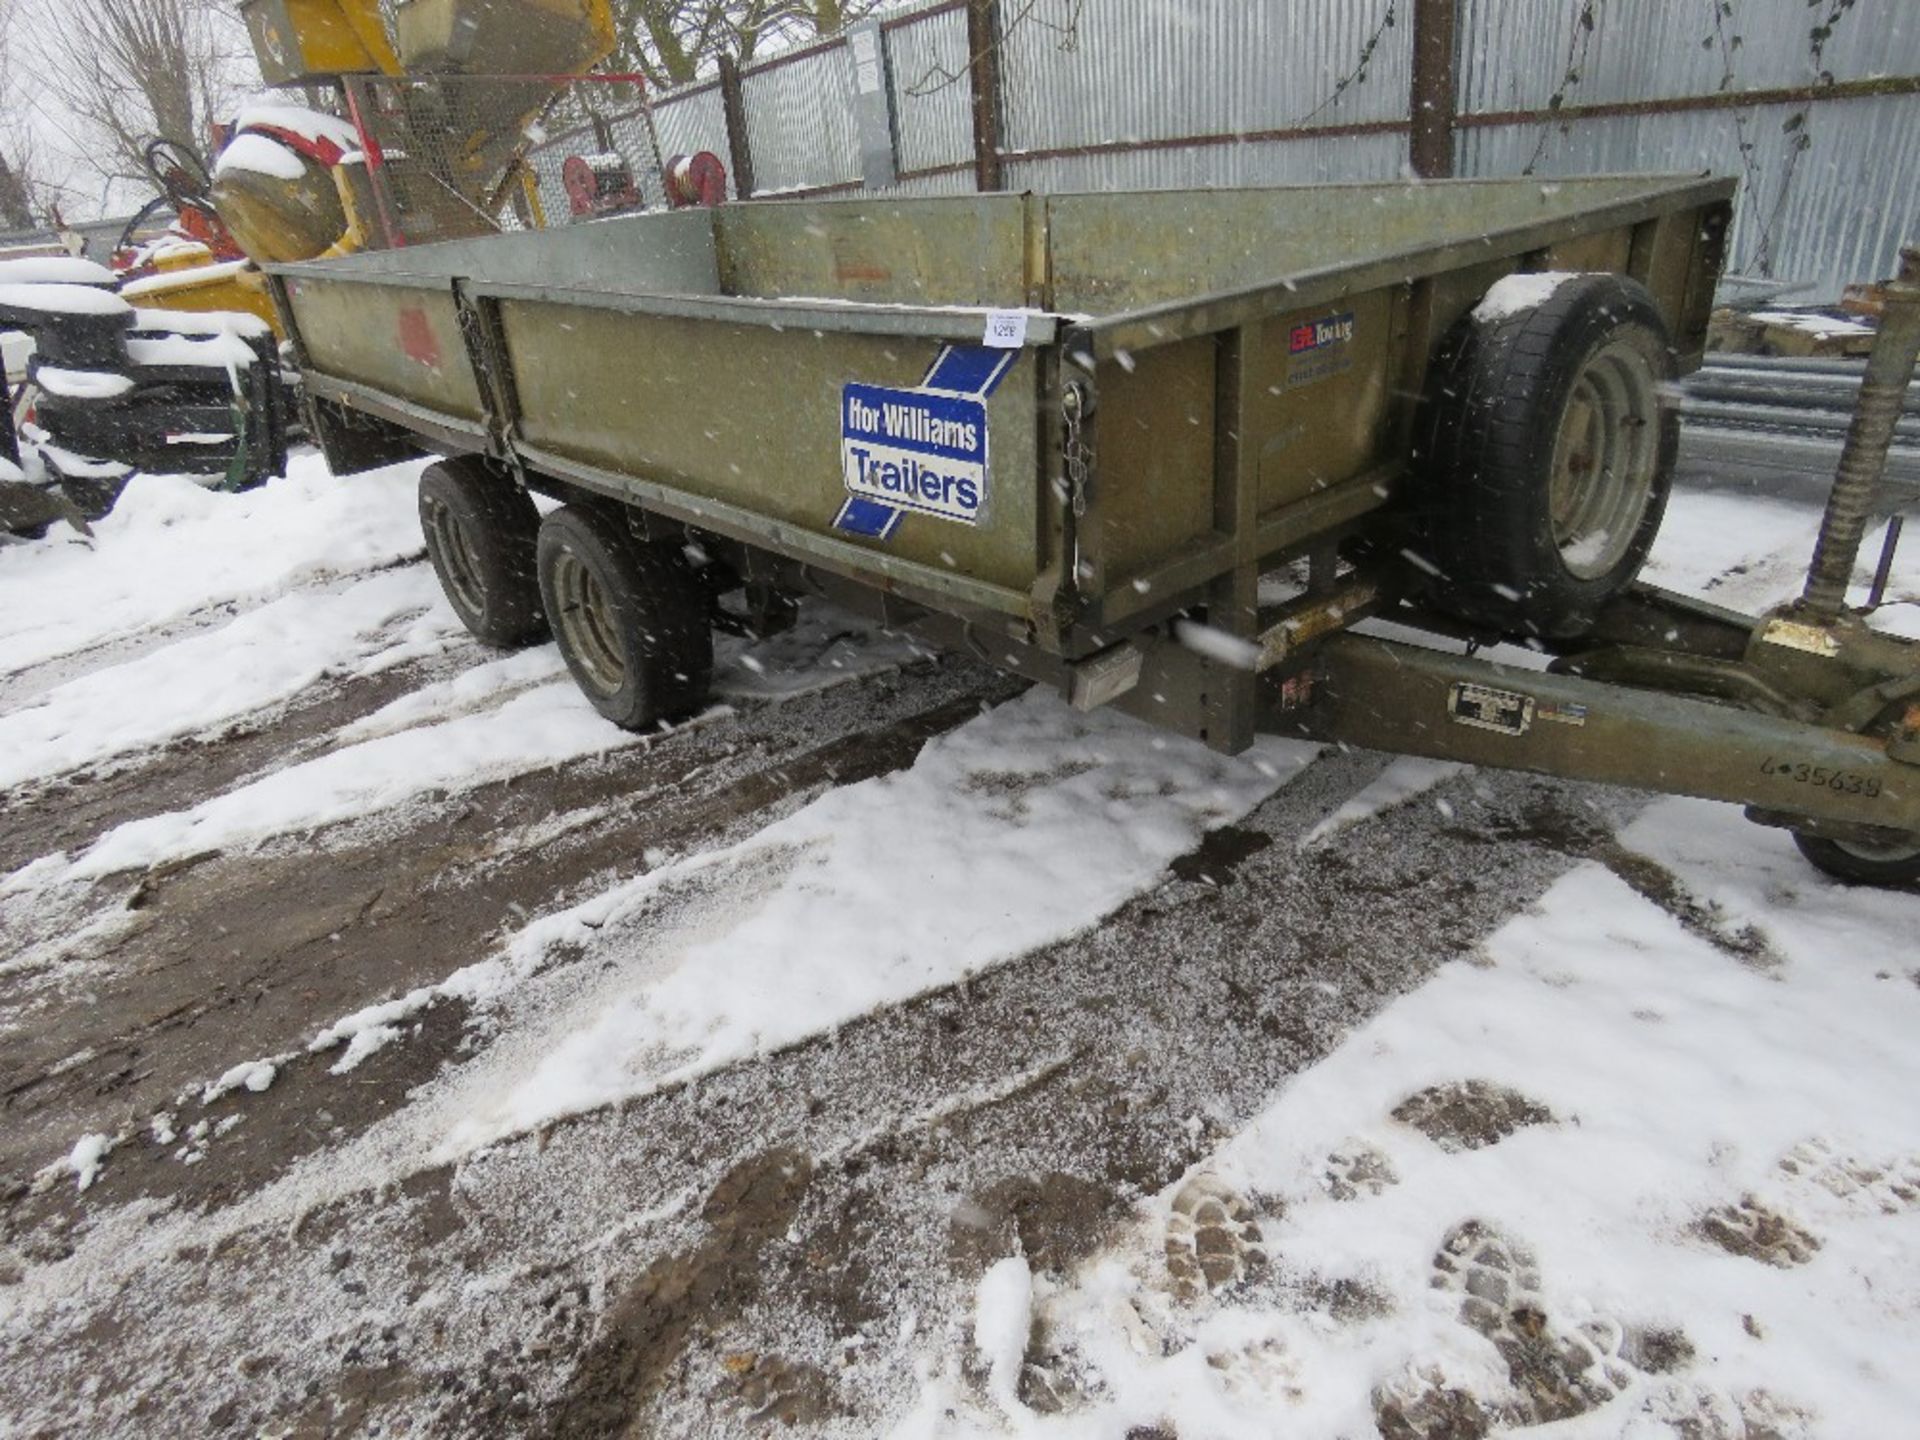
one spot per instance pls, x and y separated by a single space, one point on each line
1863 462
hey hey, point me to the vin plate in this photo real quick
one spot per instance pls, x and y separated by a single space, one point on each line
1484 708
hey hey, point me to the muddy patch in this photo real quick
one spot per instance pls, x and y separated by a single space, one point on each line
1054 1221
1220 854
1114 1059
1470 1114
648 1329
1357 1169
1427 1408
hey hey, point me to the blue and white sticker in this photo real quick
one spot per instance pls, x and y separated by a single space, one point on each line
916 450
922 450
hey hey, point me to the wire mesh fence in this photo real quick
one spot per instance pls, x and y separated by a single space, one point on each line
449 157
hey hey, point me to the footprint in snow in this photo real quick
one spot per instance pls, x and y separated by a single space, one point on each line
1755 1232
1357 1169
1889 1186
1557 1370
1470 1114
1213 1239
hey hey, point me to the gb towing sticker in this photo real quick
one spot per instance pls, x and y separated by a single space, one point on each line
923 450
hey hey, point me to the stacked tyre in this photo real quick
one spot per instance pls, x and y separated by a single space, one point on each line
118 389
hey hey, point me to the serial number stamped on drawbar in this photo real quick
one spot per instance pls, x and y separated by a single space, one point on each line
1805 773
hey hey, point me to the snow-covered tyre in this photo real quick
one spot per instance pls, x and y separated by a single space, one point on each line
1892 863
1544 456
480 530
630 617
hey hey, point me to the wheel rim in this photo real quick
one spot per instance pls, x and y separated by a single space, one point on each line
460 566
1889 852
585 623
1605 458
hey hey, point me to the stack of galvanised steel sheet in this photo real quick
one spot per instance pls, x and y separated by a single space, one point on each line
1776 425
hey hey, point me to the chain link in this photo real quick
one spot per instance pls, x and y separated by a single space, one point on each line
1073 408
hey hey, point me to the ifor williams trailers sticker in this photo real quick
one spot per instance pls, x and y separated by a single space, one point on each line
922 450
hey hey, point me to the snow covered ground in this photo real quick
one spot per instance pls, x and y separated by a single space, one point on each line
1641 1160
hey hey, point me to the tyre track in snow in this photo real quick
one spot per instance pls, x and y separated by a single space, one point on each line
70 811
229 957
26 683
758 1243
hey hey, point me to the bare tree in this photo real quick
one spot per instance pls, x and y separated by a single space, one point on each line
141 69
18 198
17 203
673 42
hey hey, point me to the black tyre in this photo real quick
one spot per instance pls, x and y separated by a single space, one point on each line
631 617
480 530
1545 454
1892 863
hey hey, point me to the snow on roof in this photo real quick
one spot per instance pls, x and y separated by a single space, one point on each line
54 270
308 124
259 155
63 299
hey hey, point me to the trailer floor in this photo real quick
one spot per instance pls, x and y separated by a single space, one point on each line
228 1212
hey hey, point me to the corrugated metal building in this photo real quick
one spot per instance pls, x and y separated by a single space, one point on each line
1817 110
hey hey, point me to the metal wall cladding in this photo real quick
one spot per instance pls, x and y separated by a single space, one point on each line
1826 199
932 101
1083 73
1830 213
1292 162
949 182
800 118
1518 54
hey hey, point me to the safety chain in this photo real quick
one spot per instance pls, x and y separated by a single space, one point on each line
1074 408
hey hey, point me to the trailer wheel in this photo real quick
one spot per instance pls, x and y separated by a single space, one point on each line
1891 863
630 616
480 529
1546 453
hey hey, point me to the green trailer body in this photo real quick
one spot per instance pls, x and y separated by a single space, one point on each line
1188 390
694 362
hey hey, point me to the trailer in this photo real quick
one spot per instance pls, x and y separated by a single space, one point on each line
1160 450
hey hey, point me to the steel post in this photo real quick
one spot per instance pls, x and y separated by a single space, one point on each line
983 71
733 106
1435 31
1863 462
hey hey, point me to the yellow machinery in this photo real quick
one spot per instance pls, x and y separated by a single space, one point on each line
451 91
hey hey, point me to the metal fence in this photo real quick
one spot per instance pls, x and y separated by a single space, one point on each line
1817 110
